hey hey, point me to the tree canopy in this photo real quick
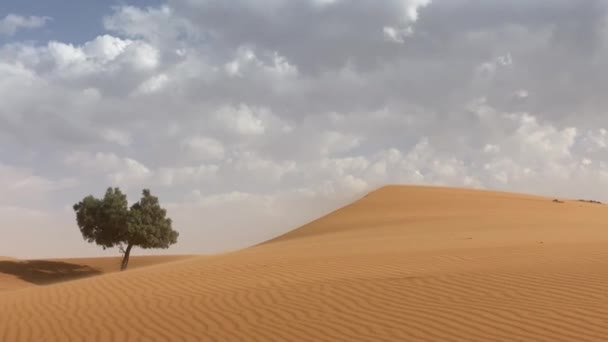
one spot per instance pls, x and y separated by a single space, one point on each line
110 222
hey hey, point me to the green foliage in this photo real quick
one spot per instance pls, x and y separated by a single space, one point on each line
148 226
109 222
104 221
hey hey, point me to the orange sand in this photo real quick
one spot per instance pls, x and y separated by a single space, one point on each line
16 274
402 264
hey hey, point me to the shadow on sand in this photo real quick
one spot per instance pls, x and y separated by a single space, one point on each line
43 272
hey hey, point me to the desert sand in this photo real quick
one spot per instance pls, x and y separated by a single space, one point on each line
401 264
17 274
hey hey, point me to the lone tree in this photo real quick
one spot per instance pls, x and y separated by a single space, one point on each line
109 222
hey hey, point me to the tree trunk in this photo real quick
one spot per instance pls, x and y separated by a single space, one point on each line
125 258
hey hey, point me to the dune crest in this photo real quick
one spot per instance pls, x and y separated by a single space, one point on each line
401 264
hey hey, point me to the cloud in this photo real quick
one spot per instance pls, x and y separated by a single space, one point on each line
248 118
22 187
190 175
396 34
204 147
246 61
242 120
412 8
152 84
116 136
410 11
323 3
118 171
11 23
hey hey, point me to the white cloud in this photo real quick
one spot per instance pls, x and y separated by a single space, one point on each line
490 148
544 139
522 94
243 58
23 187
66 55
344 166
204 147
104 55
336 142
324 3
187 175
596 140
117 170
281 66
152 84
11 23
100 161
246 62
23 180
131 172
142 56
106 48
412 8
397 35
158 25
117 137
489 69
263 170
242 120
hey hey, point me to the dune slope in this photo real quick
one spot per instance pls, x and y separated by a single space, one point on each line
401 264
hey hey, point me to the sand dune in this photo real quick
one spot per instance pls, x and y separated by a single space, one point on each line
401 264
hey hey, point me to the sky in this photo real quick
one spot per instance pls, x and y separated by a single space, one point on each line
248 118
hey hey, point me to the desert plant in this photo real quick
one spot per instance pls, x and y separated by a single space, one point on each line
109 222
